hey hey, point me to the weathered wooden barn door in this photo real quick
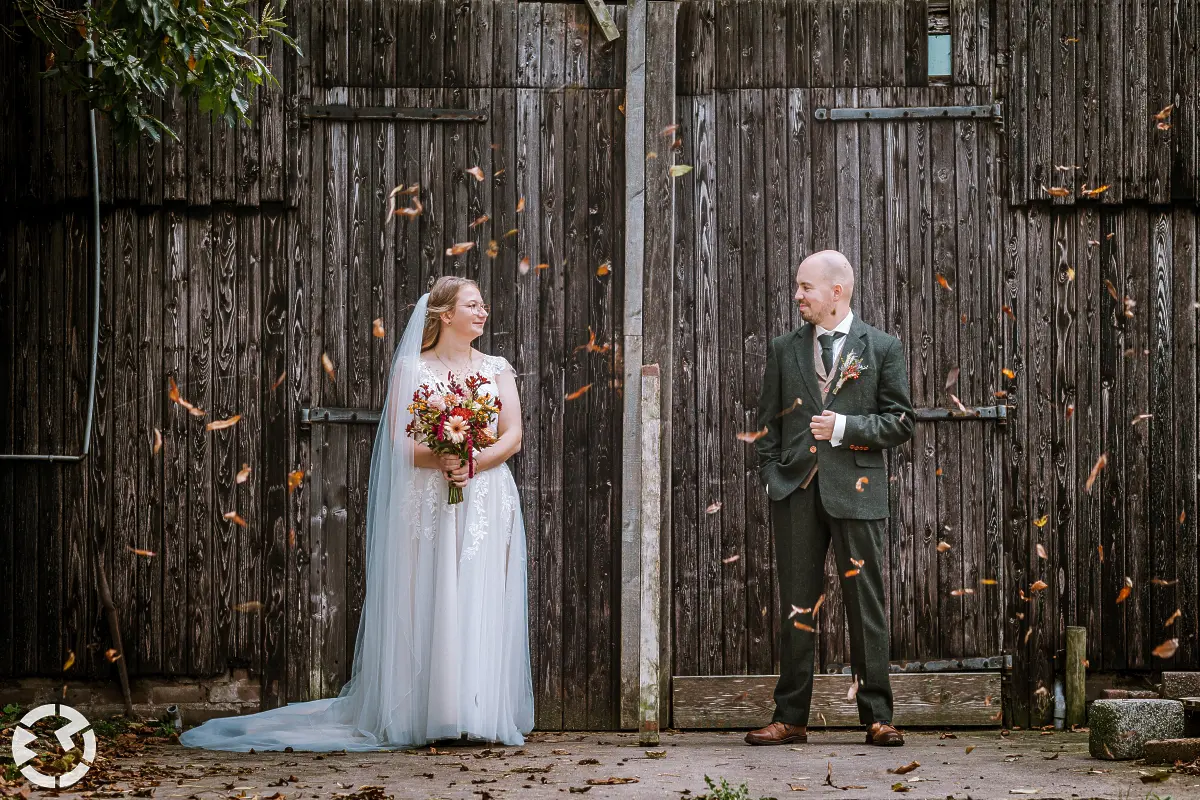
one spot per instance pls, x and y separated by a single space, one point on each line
912 202
511 126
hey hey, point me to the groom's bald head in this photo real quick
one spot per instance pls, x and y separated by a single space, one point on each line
824 286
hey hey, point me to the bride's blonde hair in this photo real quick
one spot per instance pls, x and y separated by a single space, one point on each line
443 298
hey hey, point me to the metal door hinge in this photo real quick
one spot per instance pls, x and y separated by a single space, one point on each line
991 111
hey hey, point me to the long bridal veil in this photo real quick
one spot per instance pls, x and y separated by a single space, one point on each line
385 704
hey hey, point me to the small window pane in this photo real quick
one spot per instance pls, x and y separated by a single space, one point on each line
939 55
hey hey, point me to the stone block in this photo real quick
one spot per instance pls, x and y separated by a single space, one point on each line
1168 751
172 693
1119 729
1128 694
223 693
249 692
1176 685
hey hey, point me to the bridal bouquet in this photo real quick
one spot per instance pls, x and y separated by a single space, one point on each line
454 422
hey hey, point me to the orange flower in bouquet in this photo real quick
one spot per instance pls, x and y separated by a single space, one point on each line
454 422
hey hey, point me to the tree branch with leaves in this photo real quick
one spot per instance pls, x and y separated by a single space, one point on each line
141 50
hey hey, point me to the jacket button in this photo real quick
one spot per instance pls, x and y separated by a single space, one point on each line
812 449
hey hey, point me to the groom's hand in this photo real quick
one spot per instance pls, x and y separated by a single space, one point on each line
822 425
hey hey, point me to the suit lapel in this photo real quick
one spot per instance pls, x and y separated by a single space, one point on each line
855 343
804 359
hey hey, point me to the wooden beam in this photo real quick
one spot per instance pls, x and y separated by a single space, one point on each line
944 699
652 472
604 19
631 488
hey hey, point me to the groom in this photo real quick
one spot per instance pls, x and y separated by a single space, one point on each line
834 397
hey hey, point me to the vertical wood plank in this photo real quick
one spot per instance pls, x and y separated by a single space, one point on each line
1064 94
1091 294
1062 534
750 45
964 21
433 36
821 37
224 443
175 452
529 45
728 45
201 510
730 240
606 60
574 286
1112 105
757 560
845 43
456 47
1160 88
506 43
199 155
1140 637
1087 91
871 42
1162 508
916 43
49 603
1185 54
1040 108
799 59
1017 97
1183 290
152 605
248 576
577 33
1136 123
710 165
126 425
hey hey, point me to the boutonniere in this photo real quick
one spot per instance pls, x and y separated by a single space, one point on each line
852 367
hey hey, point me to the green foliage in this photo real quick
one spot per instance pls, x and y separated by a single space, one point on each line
141 50
726 792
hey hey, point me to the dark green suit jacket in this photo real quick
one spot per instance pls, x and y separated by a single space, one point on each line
878 414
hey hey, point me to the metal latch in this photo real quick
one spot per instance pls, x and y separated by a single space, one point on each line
997 413
991 111
339 416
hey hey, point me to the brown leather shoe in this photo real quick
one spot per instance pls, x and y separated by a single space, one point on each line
882 734
778 733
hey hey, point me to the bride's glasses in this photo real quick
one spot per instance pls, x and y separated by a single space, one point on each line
475 307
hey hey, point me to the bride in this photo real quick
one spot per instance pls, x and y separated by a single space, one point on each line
443 643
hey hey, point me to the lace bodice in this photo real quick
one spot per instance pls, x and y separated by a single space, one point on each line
489 369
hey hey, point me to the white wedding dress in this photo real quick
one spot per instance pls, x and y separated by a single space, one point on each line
443 642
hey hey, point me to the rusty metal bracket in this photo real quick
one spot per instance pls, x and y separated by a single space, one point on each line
998 414
339 416
992 111
342 113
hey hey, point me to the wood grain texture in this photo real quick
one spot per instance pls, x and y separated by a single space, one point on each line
743 701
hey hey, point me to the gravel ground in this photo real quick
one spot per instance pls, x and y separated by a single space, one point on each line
832 764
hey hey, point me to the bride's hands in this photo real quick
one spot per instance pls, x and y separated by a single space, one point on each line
456 471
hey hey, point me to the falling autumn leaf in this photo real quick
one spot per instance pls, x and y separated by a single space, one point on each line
523 266
679 169
952 378
578 393
1008 310
1166 649
1056 191
1182 516
543 266
988 581
243 474
730 560
1042 520
1163 126
752 436
1139 418
591 345
520 204
961 592
817 607
248 607
327 363
1070 410
294 479
415 210
1041 550
852 692
459 249
1008 373
222 424
1171 619
112 655
1099 190
1039 586
604 269
1100 549
804 627
377 329
475 172
158 442
1165 113
70 660
291 538
1126 590
512 232
233 517
858 562
942 282
795 404
850 573
279 380
969 748
797 610
479 221
943 546
860 483
713 508
669 130
1100 462
173 393
142 553
1162 582
493 249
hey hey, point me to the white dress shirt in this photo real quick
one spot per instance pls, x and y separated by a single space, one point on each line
843 327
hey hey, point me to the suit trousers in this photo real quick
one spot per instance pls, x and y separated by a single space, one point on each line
803 530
